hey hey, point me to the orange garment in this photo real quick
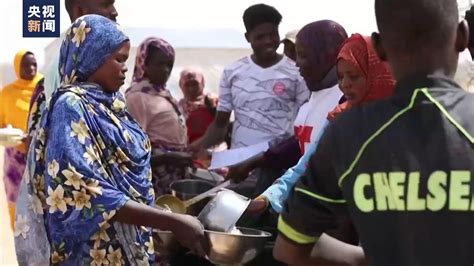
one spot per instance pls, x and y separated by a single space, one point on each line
12 211
14 109
15 99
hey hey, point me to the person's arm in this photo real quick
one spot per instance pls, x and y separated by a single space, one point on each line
302 93
217 131
241 171
328 251
277 193
73 169
315 206
187 230
281 155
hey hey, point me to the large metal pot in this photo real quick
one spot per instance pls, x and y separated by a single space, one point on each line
221 248
223 211
188 188
235 248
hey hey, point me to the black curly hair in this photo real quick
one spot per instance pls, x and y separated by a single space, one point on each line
259 14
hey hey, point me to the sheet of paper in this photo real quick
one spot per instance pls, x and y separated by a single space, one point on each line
234 156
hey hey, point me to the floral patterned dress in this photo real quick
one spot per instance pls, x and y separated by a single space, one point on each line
87 159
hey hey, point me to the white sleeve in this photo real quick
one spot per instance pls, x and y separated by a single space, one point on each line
225 93
302 92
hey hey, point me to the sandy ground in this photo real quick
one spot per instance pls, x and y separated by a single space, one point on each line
7 249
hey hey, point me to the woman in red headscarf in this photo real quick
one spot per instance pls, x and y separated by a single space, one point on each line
363 77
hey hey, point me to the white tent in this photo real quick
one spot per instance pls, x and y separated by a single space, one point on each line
209 50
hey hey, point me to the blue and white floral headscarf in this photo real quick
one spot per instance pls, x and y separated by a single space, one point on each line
87 160
76 61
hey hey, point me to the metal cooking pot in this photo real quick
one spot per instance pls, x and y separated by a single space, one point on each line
189 188
222 248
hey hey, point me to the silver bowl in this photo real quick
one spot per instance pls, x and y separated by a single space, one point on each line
188 188
234 248
165 243
223 211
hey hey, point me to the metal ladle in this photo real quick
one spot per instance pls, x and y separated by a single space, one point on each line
177 205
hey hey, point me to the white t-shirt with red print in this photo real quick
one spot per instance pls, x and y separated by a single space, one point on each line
265 101
312 116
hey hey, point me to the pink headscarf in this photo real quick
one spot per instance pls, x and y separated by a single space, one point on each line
143 52
190 73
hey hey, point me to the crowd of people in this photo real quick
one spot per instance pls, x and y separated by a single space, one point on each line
370 141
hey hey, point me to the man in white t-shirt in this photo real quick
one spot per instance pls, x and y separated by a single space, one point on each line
264 89
264 100
318 45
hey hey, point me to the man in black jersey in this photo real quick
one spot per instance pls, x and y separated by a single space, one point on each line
400 170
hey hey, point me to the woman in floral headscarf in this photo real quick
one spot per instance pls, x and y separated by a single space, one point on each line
155 109
89 162
14 107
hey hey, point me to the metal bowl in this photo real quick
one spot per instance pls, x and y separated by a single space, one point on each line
223 211
171 203
165 243
189 188
232 248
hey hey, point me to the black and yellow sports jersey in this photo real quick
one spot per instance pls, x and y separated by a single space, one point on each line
401 171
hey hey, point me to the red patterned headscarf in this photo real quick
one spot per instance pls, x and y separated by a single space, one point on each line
359 51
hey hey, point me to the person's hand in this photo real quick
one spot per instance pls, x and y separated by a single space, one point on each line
222 171
195 147
240 172
202 154
257 205
189 232
214 101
